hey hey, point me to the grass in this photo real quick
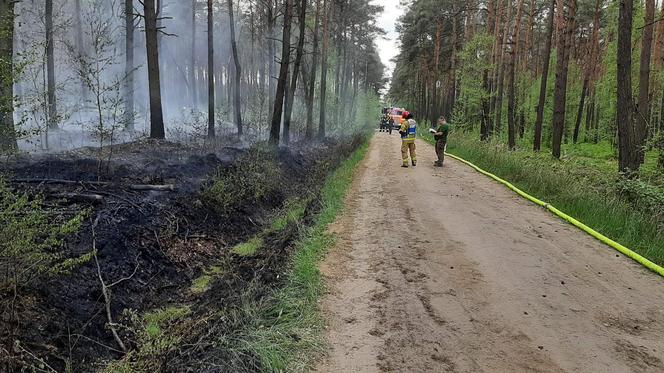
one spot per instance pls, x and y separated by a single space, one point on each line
202 283
279 331
584 184
293 211
289 334
248 248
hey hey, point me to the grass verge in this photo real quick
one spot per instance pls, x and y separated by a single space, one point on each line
290 336
592 195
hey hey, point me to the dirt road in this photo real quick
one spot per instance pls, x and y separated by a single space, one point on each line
444 270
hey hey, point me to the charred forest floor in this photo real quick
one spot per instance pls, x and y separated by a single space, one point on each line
189 245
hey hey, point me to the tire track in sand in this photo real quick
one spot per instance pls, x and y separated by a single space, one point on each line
443 270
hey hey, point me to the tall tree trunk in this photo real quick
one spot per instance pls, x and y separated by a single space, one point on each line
296 70
154 82
560 90
283 74
210 54
271 51
643 113
589 72
50 67
625 106
435 111
193 83
323 71
309 132
500 89
579 114
129 66
80 48
485 124
497 50
511 116
537 143
237 93
590 111
7 131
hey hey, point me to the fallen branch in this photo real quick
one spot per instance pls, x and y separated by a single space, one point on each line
159 188
59 181
104 291
81 197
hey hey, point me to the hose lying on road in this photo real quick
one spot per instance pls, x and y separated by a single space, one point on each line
624 250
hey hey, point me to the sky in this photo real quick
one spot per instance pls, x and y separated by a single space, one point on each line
388 46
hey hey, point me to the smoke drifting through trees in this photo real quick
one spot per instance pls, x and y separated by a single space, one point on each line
163 52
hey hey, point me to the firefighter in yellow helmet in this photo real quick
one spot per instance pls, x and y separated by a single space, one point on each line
408 133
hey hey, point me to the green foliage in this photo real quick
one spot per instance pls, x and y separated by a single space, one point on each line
248 248
292 212
156 333
474 60
286 335
202 283
255 176
31 238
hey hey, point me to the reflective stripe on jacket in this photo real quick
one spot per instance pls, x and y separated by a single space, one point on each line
409 130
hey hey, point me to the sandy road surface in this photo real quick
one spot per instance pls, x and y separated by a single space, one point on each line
444 270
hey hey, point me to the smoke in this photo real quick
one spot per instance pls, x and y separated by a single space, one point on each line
183 67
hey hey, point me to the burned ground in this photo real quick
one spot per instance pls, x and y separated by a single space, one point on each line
153 239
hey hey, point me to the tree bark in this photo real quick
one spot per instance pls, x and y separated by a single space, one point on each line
560 90
210 72
80 48
154 82
511 116
237 91
296 70
323 71
435 111
537 143
129 66
7 131
193 83
309 132
50 67
579 114
625 106
283 74
500 89
643 113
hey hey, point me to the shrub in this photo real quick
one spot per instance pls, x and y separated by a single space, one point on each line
255 176
31 238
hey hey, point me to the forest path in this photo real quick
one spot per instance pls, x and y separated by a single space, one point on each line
445 270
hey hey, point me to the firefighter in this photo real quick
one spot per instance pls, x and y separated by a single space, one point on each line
408 131
440 136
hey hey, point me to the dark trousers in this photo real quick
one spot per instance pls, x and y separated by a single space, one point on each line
440 150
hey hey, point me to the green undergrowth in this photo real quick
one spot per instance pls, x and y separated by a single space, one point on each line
290 334
202 283
584 184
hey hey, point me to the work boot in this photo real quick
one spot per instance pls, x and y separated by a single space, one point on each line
404 165
438 164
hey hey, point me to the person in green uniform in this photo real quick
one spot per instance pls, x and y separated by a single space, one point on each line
440 136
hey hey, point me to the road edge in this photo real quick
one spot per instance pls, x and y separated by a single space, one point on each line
567 218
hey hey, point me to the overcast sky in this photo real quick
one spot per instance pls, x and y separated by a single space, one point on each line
388 47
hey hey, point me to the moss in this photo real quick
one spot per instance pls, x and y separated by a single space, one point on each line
202 283
248 248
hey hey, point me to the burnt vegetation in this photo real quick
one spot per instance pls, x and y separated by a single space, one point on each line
155 246
157 161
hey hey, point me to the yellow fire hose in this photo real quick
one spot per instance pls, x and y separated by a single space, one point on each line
624 250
